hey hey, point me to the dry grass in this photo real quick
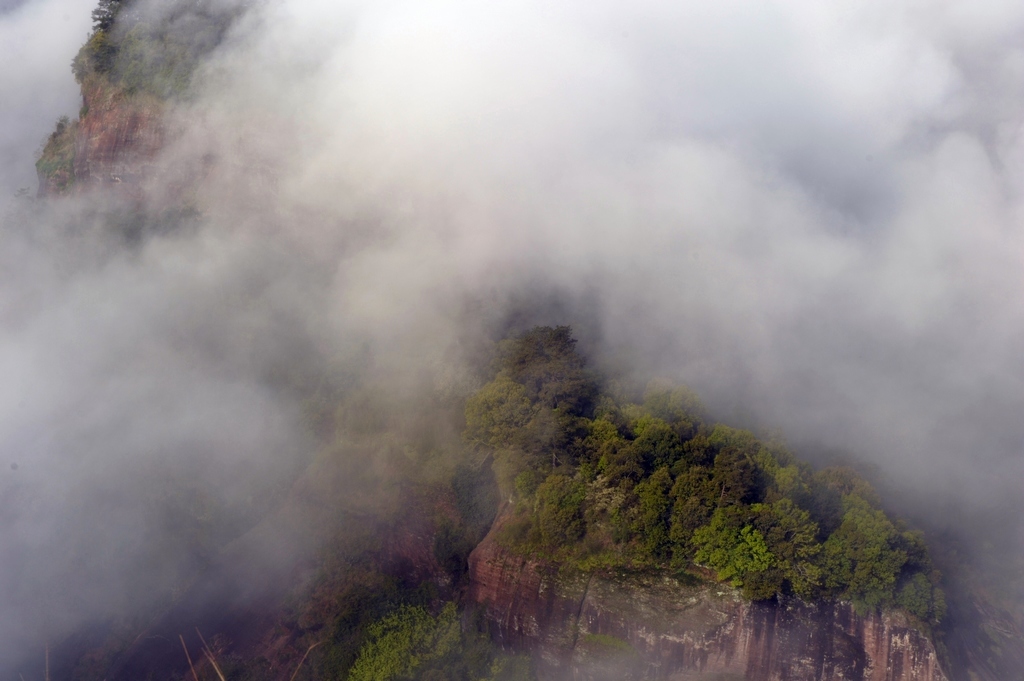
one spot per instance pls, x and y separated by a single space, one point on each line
188 657
210 657
213 660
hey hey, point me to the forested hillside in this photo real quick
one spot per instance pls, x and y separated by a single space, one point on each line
591 480
598 480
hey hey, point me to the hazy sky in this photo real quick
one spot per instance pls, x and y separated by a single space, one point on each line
809 211
39 38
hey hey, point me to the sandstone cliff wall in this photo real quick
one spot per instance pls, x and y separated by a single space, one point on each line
117 138
597 628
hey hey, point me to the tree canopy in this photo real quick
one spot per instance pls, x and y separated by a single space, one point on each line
105 14
602 479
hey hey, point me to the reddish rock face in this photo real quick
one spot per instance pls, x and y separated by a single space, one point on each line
599 628
117 139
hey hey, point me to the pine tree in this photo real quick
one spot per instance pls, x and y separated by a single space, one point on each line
105 14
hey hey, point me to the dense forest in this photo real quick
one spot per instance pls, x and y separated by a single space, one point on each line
597 479
590 480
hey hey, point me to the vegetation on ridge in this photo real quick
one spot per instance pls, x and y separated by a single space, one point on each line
596 478
134 53
411 643
57 159
155 54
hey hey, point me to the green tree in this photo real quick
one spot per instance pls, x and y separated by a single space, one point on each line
694 496
791 536
602 436
723 436
620 461
653 513
919 592
105 14
861 559
544 360
697 451
846 481
656 443
735 476
736 551
399 643
916 597
498 412
676 405
560 509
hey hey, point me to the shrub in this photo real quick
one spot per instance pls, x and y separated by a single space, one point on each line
560 509
404 640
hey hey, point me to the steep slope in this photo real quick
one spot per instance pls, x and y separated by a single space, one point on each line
118 137
112 145
342 549
617 625
639 540
134 63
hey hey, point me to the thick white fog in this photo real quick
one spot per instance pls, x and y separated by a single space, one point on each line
39 39
809 212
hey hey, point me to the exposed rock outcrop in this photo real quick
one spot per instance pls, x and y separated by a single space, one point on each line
118 138
604 627
116 141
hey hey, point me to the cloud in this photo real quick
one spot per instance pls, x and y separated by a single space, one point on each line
810 213
143 416
40 37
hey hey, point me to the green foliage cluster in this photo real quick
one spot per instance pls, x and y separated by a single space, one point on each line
348 595
600 479
105 14
155 54
403 641
410 643
58 157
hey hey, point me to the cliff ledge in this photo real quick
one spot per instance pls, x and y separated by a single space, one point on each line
617 626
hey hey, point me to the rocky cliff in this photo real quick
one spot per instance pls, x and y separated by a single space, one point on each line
626 626
113 144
